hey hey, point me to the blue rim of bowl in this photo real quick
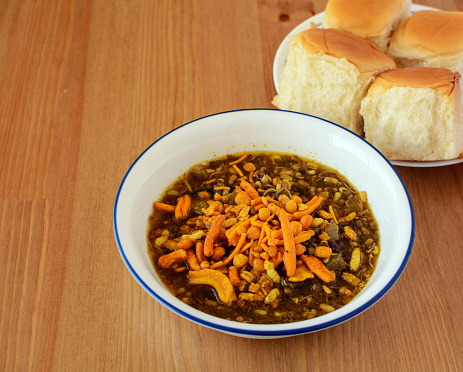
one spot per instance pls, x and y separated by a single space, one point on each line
271 333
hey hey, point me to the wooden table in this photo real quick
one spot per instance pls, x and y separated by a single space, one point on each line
85 87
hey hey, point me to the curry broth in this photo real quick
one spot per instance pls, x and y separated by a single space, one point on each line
331 253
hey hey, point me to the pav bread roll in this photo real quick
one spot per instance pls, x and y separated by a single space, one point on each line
429 39
327 73
374 20
414 114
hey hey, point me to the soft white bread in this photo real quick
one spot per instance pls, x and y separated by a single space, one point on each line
414 114
429 39
327 73
374 20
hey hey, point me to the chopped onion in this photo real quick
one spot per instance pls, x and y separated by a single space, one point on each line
333 231
354 205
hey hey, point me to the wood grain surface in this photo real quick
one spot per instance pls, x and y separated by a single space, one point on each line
86 86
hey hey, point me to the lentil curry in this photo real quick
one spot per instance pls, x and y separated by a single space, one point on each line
263 238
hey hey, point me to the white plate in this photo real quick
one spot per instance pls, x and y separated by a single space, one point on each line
280 60
426 164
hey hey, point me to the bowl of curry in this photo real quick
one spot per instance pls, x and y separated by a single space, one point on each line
264 223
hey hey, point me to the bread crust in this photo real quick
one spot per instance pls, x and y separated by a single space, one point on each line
373 20
442 80
364 55
434 36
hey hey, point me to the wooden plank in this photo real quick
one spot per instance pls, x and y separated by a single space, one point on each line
24 233
86 87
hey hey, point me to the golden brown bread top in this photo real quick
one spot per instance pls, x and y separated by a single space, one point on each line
337 43
430 33
442 80
363 17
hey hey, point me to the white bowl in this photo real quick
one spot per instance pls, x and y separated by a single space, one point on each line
269 130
